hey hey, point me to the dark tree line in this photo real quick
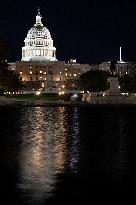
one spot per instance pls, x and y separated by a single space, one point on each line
94 81
9 80
128 83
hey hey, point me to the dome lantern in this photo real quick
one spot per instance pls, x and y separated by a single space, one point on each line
39 18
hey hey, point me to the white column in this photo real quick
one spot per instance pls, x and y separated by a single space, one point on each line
120 55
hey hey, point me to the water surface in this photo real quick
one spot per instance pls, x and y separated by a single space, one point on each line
61 154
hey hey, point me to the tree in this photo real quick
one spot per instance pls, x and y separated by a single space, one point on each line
9 80
94 81
128 83
113 67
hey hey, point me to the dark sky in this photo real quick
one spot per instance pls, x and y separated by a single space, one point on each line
90 31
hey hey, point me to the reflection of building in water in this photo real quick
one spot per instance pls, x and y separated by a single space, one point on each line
43 151
74 149
61 149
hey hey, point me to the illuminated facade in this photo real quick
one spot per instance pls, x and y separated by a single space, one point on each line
40 70
38 43
122 67
50 76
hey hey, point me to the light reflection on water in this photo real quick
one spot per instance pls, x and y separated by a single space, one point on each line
44 150
56 154
74 149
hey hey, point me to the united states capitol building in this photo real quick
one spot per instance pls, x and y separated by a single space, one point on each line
39 67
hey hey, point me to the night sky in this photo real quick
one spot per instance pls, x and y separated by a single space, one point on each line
90 31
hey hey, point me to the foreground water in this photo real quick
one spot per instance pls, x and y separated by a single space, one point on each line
58 154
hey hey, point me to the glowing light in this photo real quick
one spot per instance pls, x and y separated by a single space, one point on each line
124 93
38 93
75 75
30 72
75 95
21 73
40 71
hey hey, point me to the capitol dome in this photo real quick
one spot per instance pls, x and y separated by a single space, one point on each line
38 43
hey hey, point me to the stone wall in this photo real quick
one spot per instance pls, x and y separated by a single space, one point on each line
87 97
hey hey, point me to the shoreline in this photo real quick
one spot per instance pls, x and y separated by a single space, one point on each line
40 103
